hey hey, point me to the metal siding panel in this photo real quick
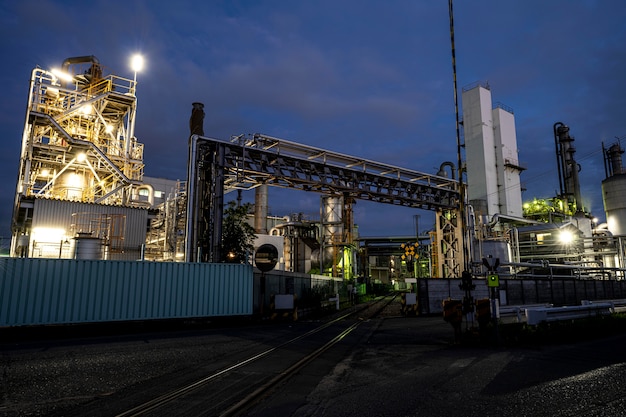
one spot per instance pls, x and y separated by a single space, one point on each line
171 278
48 291
34 294
58 214
145 295
166 296
199 296
156 283
54 281
194 298
9 289
103 306
177 289
109 296
204 293
74 295
221 289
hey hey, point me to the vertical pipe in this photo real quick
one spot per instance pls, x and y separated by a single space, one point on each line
260 209
196 129
191 224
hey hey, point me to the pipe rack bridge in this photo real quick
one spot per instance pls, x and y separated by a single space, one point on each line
217 167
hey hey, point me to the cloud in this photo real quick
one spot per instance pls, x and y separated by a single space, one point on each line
365 78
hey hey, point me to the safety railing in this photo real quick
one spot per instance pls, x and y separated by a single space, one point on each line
535 316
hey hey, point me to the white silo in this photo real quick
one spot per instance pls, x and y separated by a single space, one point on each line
492 166
614 190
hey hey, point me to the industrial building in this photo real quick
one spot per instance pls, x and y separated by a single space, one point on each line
82 193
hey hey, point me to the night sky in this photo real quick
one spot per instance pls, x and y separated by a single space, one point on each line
367 78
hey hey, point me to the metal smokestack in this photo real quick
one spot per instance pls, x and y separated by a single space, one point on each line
567 166
613 158
196 122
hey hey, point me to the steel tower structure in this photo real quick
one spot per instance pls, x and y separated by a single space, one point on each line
78 143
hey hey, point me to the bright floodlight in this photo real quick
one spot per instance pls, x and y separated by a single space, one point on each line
136 63
566 237
62 75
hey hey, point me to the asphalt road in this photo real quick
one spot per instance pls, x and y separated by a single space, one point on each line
408 367
396 366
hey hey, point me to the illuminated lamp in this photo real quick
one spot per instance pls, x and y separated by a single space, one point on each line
62 75
86 109
136 63
566 237
48 234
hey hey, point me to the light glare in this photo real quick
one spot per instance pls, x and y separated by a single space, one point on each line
136 63
62 75
566 237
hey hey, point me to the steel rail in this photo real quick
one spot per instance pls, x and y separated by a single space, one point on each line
169 397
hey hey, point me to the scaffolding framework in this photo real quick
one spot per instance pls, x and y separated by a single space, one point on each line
78 143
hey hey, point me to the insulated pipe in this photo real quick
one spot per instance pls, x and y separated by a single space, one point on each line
442 172
79 60
191 226
95 71
260 209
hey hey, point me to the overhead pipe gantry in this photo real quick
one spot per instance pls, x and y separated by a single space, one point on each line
217 167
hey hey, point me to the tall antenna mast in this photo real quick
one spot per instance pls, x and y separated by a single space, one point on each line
458 143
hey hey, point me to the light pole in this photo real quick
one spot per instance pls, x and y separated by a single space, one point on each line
136 64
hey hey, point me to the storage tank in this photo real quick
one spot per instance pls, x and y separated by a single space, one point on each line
614 190
71 185
87 247
332 230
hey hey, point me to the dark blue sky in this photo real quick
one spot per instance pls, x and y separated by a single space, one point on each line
362 77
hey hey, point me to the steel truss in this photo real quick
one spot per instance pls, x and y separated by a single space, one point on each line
217 167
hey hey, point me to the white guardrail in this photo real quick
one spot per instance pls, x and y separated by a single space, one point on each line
535 316
519 312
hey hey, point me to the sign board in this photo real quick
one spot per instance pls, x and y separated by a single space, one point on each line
283 301
266 257
411 299
493 280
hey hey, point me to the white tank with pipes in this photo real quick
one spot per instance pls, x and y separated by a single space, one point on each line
614 190
332 230
71 185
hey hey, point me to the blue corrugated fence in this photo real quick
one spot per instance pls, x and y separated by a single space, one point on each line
63 291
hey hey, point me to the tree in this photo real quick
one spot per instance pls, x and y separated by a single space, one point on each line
237 234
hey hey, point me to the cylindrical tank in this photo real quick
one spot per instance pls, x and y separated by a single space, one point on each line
87 247
332 224
71 185
613 192
260 209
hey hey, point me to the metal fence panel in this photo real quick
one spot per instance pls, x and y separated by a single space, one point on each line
63 291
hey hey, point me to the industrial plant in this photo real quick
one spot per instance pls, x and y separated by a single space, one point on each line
82 194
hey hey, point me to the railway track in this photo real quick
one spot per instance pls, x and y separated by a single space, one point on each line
235 388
